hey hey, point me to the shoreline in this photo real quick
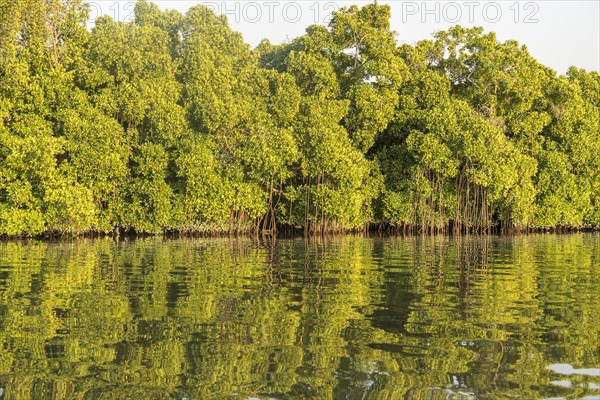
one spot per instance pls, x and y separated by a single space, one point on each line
374 230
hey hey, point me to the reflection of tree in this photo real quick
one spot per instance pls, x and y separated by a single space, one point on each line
331 318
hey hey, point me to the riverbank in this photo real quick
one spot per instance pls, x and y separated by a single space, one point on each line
373 229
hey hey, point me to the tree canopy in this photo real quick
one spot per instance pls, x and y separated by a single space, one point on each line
172 123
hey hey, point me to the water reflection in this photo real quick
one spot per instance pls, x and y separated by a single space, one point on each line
567 369
341 318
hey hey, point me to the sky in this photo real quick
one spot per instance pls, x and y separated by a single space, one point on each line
558 33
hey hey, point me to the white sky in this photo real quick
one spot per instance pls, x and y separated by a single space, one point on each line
559 33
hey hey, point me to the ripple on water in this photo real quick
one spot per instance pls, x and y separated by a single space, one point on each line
568 369
338 318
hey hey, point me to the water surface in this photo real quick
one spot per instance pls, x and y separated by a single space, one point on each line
336 318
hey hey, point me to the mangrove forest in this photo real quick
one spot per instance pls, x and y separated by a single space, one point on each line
171 123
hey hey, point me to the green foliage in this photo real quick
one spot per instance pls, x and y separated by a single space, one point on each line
172 123
493 134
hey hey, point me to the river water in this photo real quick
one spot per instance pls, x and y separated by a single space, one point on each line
330 318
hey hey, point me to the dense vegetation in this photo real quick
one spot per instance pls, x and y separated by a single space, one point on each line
173 123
